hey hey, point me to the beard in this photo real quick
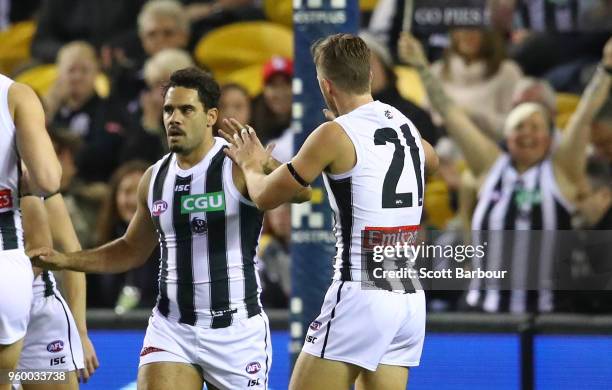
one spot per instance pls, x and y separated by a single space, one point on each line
179 149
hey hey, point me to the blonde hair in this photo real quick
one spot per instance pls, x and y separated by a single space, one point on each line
167 61
169 8
520 113
77 49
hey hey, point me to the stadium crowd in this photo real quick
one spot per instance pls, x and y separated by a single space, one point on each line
99 67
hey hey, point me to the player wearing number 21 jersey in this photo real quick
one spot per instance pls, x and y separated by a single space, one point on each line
374 176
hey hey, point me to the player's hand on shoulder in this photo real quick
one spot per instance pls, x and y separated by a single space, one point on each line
245 148
47 258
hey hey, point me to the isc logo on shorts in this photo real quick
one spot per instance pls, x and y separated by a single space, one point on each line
56 361
55 346
253 367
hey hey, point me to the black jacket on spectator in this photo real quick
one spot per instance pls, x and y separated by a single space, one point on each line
101 127
97 22
139 143
21 10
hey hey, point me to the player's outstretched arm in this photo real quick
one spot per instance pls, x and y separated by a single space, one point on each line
33 142
270 191
120 255
480 152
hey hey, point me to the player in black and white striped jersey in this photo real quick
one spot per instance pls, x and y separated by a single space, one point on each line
208 324
22 138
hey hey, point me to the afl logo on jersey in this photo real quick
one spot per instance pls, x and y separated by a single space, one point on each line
159 206
6 199
55 346
315 325
199 226
253 368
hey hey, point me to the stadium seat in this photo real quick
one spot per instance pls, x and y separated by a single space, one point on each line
249 77
566 105
367 5
279 11
15 43
42 77
237 52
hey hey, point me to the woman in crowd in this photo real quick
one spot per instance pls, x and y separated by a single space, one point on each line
475 73
234 102
529 186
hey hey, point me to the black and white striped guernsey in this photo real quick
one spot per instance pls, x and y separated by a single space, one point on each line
208 235
529 208
11 231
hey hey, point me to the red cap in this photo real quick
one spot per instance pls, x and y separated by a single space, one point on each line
277 65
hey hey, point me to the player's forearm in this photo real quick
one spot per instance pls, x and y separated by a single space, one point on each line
303 196
114 257
259 191
35 222
62 230
75 290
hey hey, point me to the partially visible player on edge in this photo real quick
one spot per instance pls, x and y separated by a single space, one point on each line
208 325
376 159
55 339
23 137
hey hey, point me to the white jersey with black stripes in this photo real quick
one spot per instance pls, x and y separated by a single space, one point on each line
384 190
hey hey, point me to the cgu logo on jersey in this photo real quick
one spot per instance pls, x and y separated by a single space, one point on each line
213 201
159 206
55 346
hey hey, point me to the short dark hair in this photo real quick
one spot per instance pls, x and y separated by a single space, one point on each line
345 60
201 81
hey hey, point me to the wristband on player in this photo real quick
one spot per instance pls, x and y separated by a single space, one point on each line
296 175
28 194
52 195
